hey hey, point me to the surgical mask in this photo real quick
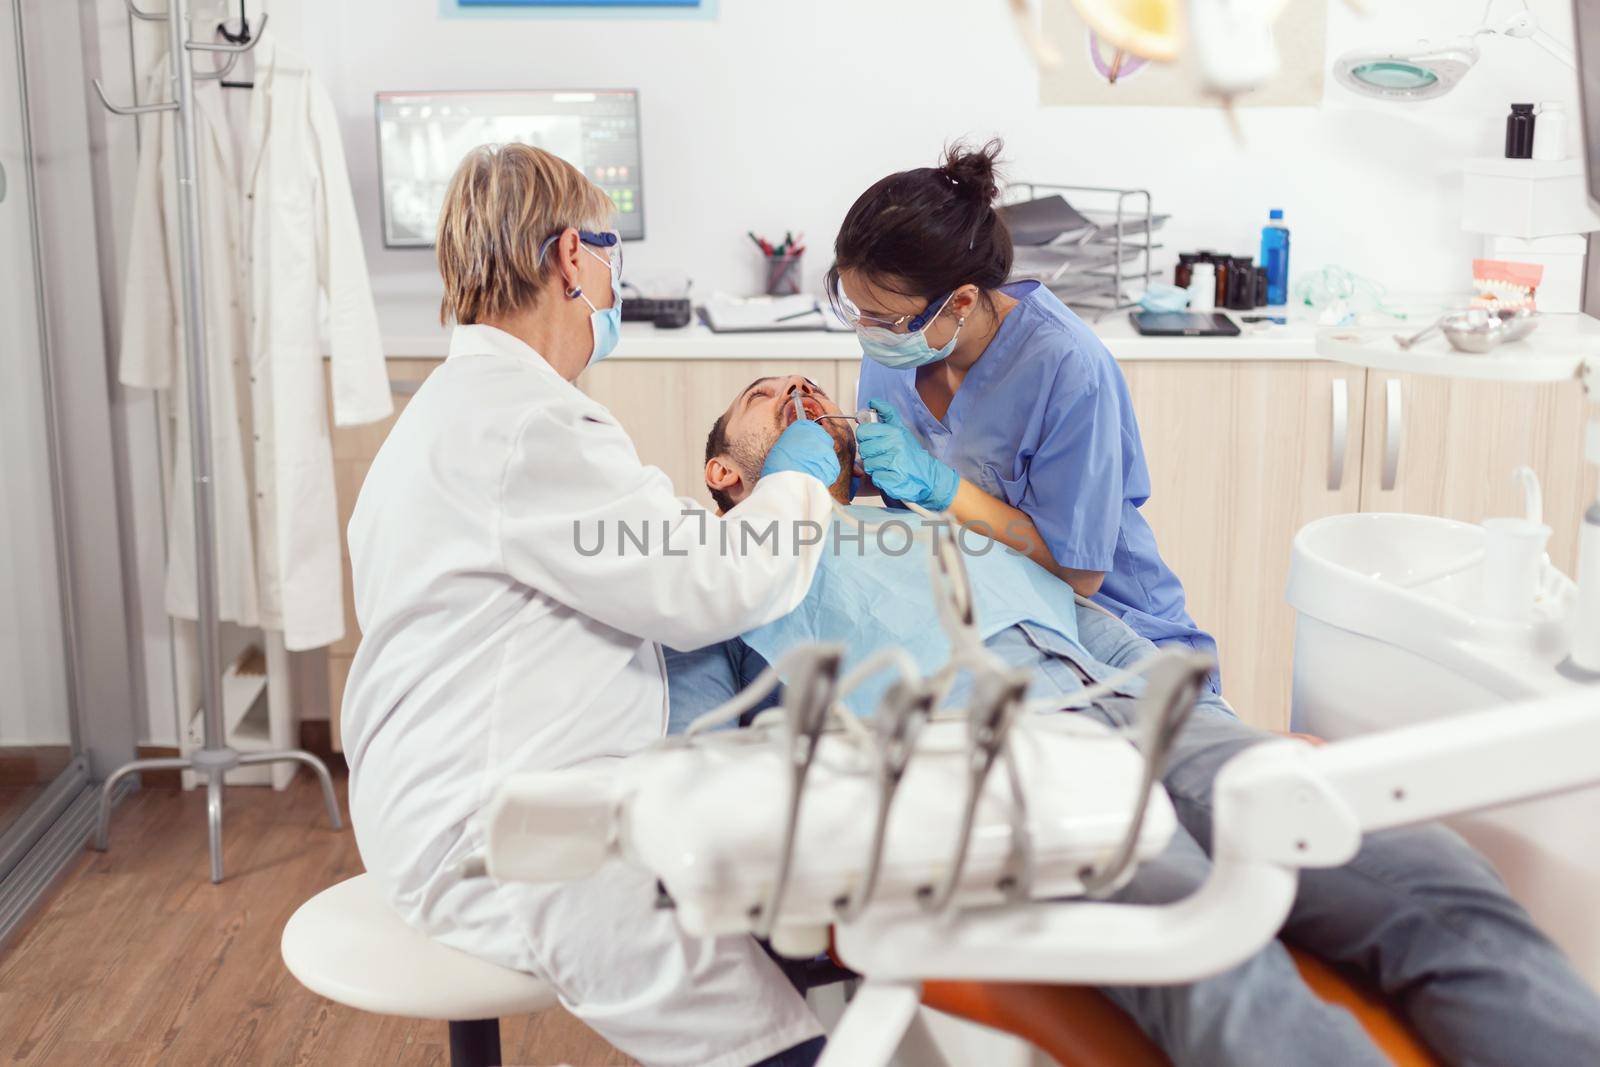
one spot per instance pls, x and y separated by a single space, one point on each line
902 350
605 323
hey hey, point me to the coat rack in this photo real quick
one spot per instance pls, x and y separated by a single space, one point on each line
213 759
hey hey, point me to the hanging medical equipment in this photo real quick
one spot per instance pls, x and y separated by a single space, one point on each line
214 758
1428 69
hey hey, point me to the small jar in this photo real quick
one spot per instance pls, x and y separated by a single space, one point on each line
1550 131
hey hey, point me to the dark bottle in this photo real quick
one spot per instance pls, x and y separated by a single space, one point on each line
1241 284
1183 273
1222 265
1519 132
1261 287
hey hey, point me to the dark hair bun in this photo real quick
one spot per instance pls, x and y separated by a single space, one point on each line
972 170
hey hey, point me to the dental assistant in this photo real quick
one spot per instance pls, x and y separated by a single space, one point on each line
497 637
997 403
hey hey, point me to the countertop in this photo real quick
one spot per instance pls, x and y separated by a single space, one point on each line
411 330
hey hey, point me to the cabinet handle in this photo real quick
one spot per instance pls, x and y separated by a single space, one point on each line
1340 438
403 387
1394 431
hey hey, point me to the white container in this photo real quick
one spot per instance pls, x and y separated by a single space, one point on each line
1550 132
1561 256
1388 634
1526 198
1512 565
1203 287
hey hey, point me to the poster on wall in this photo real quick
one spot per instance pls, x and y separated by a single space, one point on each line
576 3
620 9
1083 78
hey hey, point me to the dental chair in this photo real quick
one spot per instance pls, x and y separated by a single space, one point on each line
1077 1026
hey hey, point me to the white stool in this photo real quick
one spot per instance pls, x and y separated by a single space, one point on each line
348 945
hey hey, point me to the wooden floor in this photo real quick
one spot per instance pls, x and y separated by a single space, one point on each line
137 958
14 800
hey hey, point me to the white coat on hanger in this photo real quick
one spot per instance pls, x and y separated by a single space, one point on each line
152 346
303 243
278 235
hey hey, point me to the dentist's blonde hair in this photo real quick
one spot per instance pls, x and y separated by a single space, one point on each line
503 203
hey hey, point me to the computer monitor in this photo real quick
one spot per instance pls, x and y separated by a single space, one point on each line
422 138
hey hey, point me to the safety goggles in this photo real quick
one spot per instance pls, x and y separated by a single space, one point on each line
609 240
864 323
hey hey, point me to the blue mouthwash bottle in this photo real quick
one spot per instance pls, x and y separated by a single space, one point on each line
1275 257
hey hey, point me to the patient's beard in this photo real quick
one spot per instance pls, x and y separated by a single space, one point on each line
749 454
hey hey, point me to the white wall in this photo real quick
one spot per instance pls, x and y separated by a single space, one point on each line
774 116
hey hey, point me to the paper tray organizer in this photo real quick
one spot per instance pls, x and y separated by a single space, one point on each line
1103 262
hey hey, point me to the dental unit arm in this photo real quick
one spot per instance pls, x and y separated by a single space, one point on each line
897 838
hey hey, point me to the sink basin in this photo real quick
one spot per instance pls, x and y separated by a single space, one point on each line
1389 632
1415 581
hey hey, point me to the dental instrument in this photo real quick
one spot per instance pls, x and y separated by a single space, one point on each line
997 698
807 701
904 712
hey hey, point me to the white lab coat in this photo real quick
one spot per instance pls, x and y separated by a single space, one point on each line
495 642
279 233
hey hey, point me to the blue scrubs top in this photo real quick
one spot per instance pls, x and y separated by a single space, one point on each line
1043 421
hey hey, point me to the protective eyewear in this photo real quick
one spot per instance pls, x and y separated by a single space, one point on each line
859 320
609 240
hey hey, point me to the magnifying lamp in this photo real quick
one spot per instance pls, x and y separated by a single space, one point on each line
1428 69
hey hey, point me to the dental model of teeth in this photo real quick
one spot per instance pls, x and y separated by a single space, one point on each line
1502 284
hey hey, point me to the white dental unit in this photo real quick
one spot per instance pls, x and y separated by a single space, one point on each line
1407 619
927 845
930 846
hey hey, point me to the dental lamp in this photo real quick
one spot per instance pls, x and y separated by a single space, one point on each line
1429 69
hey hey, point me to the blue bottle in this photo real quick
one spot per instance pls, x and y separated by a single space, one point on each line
1275 257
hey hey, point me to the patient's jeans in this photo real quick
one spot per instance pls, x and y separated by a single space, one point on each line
1417 910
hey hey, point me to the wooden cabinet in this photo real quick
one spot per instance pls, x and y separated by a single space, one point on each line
1441 446
1241 455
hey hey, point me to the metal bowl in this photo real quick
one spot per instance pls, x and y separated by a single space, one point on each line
1479 330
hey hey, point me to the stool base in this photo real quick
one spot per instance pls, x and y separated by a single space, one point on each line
475 1043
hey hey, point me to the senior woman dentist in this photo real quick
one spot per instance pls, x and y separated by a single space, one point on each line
495 639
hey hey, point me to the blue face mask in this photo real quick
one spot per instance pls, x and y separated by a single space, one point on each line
901 350
605 323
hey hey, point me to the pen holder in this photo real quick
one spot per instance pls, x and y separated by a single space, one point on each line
783 275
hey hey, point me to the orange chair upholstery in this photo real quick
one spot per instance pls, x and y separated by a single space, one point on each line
1079 1027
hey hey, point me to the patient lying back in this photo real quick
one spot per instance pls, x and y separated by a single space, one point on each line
874 588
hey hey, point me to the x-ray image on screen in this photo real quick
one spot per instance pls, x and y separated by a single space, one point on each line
422 138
